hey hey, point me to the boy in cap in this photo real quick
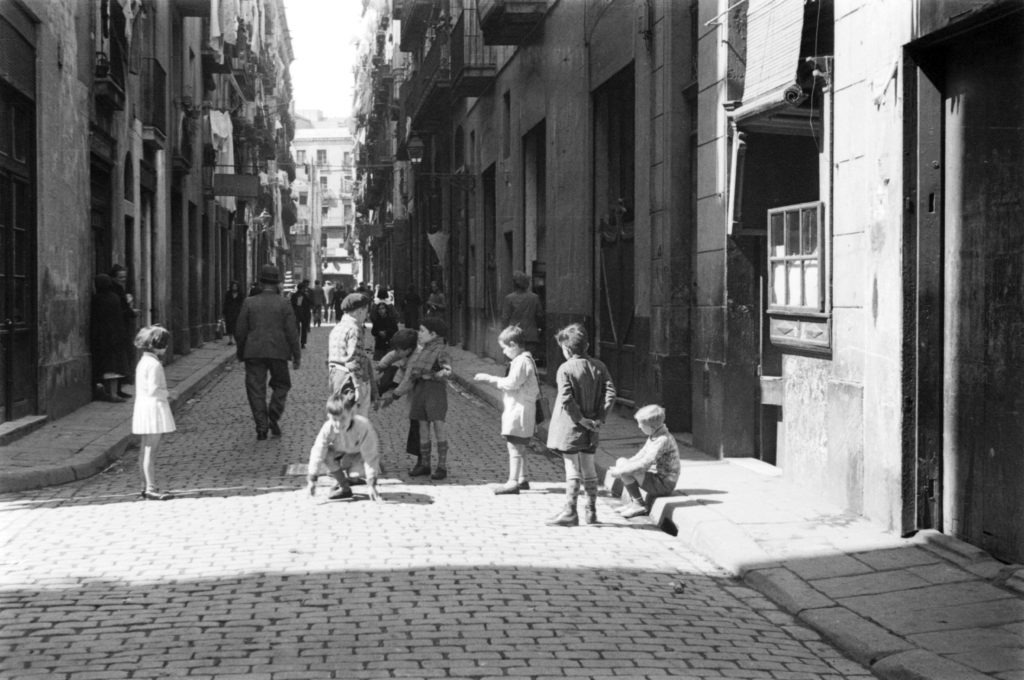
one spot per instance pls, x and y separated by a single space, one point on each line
348 357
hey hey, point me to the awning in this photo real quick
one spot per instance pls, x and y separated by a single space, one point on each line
774 31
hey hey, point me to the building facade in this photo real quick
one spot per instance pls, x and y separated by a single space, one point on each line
324 150
788 221
134 133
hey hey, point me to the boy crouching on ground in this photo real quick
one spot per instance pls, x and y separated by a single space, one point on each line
344 440
654 468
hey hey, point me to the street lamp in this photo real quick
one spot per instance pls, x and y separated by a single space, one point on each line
415 147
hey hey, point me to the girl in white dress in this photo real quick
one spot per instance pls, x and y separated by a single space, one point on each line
152 414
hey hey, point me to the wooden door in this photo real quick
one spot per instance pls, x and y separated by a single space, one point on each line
983 279
18 380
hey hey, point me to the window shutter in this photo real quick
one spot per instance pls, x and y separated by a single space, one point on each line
774 31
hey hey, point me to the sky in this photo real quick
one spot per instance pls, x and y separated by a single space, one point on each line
323 40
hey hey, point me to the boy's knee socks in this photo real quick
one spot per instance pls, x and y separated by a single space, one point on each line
572 490
590 487
633 489
425 452
442 454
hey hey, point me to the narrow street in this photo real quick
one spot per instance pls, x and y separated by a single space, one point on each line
242 575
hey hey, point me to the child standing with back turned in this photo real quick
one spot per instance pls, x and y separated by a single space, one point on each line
151 416
586 395
519 392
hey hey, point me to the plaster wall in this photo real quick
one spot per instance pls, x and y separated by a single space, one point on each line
64 248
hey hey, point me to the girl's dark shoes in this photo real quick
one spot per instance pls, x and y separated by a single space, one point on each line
524 485
439 473
156 495
507 489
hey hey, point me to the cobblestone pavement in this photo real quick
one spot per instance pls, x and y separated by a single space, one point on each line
244 576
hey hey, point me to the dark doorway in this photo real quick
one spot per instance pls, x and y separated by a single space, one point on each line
614 176
18 380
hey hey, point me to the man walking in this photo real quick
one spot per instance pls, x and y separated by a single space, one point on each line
319 302
267 335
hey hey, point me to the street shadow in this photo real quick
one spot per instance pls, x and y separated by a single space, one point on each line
419 621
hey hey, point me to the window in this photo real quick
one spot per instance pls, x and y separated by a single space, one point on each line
303 198
323 211
321 156
300 156
323 183
348 159
796 270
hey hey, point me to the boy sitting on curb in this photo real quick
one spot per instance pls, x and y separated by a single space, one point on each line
654 468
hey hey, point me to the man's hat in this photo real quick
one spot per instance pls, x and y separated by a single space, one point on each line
268 274
354 301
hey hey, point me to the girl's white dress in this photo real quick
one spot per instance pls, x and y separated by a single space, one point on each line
152 413
519 393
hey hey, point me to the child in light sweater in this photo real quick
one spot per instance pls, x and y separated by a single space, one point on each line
519 392
654 468
345 439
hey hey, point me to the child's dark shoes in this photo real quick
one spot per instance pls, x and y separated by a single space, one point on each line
156 495
339 493
439 473
524 485
510 489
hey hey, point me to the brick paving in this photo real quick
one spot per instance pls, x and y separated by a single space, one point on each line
244 576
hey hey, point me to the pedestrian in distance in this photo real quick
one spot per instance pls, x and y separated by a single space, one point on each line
385 325
267 336
348 357
654 468
522 308
338 296
411 308
345 439
232 306
302 304
437 303
520 389
319 303
585 396
119 274
391 371
426 380
151 415
109 340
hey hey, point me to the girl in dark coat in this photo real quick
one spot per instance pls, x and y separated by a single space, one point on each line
109 338
232 305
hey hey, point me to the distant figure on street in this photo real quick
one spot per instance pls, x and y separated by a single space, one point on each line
436 301
268 336
254 289
319 302
120 276
108 340
522 308
232 306
151 415
337 297
585 397
344 440
411 304
654 468
302 305
385 325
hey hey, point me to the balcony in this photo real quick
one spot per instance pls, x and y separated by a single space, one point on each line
154 103
510 22
415 16
474 64
108 84
429 88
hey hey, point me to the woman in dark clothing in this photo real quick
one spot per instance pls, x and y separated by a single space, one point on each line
232 305
385 325
109 338
302 304
411 309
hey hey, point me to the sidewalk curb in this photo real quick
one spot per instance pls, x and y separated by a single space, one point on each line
107 448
